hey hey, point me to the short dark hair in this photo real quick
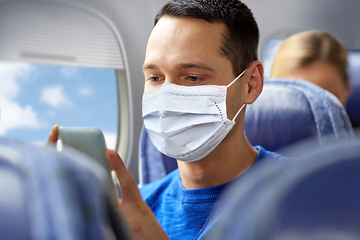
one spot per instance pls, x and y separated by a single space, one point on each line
241 37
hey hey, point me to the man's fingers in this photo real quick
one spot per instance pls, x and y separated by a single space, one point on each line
54 134
129 189
137 213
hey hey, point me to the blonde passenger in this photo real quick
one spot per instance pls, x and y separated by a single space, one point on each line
317 57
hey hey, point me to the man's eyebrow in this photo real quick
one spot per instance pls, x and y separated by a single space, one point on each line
150 66
195 65
180 66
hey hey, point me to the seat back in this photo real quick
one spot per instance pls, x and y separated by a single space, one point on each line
48 194
314 196
286 112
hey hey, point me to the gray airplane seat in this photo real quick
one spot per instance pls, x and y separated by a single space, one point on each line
286 112
315 196
46 194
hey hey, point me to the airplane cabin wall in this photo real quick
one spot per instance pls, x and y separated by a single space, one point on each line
281 18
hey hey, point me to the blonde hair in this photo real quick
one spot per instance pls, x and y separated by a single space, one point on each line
302 49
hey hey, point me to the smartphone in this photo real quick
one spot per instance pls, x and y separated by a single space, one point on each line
90 141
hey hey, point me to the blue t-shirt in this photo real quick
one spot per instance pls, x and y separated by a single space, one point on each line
184 213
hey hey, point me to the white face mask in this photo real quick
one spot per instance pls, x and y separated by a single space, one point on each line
187 123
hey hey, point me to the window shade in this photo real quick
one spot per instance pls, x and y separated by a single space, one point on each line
57 33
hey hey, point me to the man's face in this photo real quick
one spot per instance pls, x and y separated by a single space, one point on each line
186 51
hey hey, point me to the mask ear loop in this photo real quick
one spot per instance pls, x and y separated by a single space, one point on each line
240 75
233 120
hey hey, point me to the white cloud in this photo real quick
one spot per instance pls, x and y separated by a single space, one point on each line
13 115
86 91
110 139
10 75
55 97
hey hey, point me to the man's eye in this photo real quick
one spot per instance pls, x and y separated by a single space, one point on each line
154 79
194 79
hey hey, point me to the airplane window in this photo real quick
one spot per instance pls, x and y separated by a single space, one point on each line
34 97
353 103
272 47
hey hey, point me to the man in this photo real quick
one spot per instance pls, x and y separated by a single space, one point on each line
201 69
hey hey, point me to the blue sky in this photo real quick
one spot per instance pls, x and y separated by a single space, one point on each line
34 97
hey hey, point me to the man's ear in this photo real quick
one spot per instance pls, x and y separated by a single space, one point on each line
254 82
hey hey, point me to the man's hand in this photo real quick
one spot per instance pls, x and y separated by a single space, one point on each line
142 222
